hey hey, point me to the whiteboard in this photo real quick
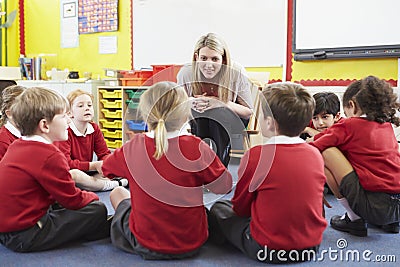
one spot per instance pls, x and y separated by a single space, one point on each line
346 23
165 31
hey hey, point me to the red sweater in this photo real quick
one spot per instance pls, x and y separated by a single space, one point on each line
281 188
6 138
372 150
318 135
79 149
33 176
168 215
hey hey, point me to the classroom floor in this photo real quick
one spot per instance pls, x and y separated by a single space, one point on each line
336 248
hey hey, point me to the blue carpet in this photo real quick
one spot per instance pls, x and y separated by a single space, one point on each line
377 245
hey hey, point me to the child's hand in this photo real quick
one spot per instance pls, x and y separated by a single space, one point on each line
310 131
96 165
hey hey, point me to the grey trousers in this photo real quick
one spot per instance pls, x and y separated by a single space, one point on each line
60 226
224 225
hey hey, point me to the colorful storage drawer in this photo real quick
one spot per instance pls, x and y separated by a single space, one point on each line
144 74
165 72
136 81
136 125
112 103
113 143
115 124
112 114
116 93
134 94
112 134
132 104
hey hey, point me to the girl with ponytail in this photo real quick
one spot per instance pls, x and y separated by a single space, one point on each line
162 216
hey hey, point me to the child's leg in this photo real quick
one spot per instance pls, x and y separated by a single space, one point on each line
336 168
61 226
117 195
94 183
223 220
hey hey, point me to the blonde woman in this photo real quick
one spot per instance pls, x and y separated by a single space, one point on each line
84 139
219 91
8 131
163 216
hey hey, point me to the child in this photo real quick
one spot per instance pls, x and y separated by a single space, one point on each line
163 216
8 132
362 160
277 202
326 113
35 174
84 139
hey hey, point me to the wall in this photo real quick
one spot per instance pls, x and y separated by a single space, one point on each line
12 36
42 36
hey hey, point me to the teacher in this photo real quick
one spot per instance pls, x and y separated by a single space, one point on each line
220 93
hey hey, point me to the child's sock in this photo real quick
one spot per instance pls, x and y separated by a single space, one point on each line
109 185
350 212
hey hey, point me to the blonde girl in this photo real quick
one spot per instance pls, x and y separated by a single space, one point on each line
162 216
84 139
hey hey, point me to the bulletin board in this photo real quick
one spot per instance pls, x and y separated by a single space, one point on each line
98 16
345 29
165 32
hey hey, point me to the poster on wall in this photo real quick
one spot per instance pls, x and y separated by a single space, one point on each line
97 16
69 24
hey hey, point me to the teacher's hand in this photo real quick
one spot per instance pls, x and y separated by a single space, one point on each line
202 103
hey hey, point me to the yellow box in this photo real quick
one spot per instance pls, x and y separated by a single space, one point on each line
115 124
111 104
112 134
116 93
112 114
113 143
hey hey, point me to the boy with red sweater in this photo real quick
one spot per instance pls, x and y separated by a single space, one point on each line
35 174
326 114
277 201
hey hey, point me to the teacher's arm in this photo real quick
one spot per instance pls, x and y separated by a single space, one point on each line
241 109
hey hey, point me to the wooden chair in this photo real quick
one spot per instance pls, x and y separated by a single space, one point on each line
252 131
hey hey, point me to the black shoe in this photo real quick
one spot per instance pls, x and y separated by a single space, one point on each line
392 228
357 227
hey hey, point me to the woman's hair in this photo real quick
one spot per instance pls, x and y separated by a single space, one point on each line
375 98
74 94
290 105
7 99
213 42
165 108
326 102
35 104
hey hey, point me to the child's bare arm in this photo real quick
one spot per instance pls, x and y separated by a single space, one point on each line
310 131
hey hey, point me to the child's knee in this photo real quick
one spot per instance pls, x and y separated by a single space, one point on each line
97 209
222 209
